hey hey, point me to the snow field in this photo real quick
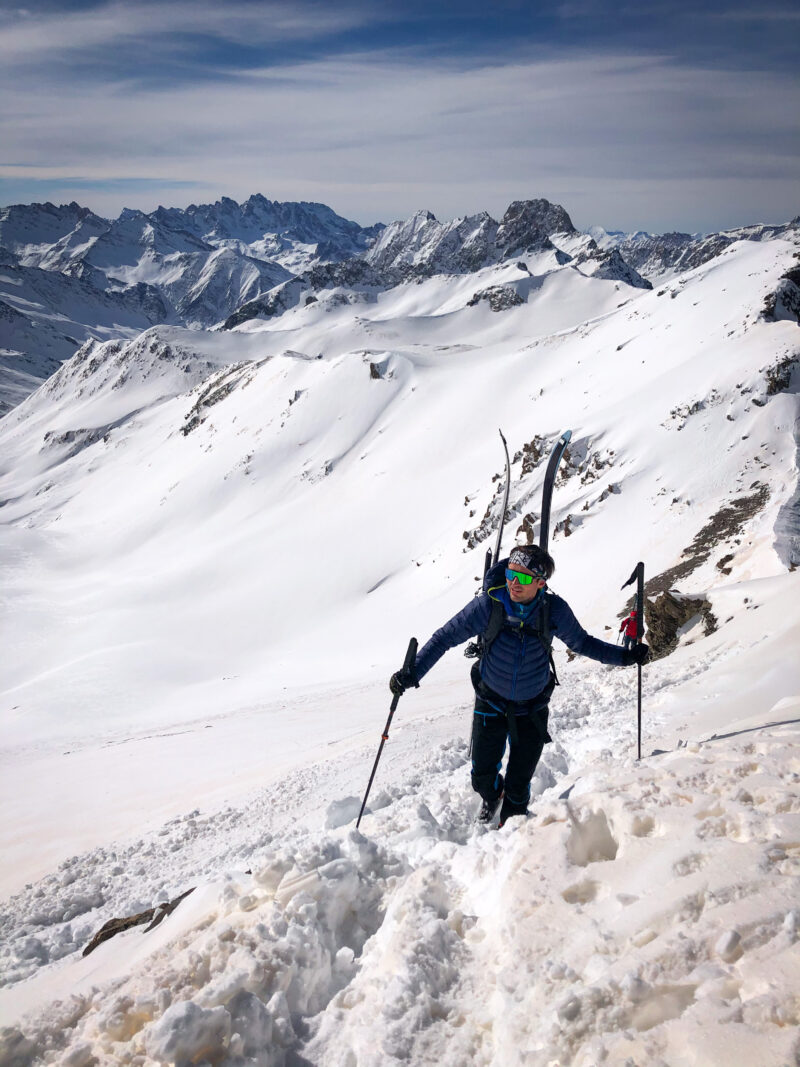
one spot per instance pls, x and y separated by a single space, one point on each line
173 569
170 651
651 917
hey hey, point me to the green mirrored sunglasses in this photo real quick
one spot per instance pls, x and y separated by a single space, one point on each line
523 579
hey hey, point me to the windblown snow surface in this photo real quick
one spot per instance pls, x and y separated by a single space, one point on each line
215 547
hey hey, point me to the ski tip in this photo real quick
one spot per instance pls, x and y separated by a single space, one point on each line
566 435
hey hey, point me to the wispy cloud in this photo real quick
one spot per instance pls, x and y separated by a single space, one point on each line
756 14
26 35
625 137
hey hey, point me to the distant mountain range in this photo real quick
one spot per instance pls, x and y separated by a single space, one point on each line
664 255
67 275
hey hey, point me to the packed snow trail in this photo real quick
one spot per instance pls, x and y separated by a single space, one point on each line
610 927
652 918
56 916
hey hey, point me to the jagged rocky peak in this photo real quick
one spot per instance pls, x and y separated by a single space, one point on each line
26 225
129 213
422 216
665 255
528 224
422 245
259 218
610 266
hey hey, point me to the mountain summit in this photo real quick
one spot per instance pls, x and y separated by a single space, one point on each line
421 245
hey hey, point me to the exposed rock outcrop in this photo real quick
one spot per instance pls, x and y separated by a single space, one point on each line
667 614
498 297
153 916
784 302
527 225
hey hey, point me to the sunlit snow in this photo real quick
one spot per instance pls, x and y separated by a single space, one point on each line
215 548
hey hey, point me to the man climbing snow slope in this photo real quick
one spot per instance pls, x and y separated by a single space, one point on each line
628 624
516 619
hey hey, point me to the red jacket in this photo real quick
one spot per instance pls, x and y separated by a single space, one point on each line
629 625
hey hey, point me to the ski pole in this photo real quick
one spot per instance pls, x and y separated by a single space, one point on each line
638 577
487 566
639 630
411 656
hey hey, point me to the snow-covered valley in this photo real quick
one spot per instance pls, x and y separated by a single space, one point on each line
215 546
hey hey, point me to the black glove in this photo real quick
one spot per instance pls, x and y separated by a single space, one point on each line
638 654
402 680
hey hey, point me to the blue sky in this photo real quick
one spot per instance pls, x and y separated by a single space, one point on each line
650 115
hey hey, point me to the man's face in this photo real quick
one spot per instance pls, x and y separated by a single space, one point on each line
523 594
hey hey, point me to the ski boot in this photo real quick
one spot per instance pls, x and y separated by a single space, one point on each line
489 809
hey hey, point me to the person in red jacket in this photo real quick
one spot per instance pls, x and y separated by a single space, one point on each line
629 625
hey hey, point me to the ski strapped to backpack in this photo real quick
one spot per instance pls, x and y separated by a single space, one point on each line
478 649
547 489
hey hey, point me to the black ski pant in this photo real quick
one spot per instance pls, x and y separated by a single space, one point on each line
489 735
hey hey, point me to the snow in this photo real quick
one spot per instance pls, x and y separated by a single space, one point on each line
69 275
214 550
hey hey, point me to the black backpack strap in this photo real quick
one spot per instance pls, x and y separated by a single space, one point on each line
478 648
496 620
542 631
545 635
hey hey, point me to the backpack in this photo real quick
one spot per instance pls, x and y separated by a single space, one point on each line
478 649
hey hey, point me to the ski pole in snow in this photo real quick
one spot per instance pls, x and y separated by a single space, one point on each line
410 659
638 577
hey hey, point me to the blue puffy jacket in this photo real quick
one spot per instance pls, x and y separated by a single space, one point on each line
516 665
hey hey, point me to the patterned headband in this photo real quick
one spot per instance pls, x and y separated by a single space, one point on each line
520 557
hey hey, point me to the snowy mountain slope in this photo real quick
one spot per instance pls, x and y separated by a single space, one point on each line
664 256
200 281
215 548
202 286
652 914
29 231
295 235
502 285
44 316
230 262
527 281
422 246
47 235
423 242
235 449
192 267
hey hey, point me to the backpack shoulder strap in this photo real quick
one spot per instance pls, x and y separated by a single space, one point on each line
495 625
542 631
545 634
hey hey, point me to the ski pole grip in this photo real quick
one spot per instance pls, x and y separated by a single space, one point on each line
411 655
